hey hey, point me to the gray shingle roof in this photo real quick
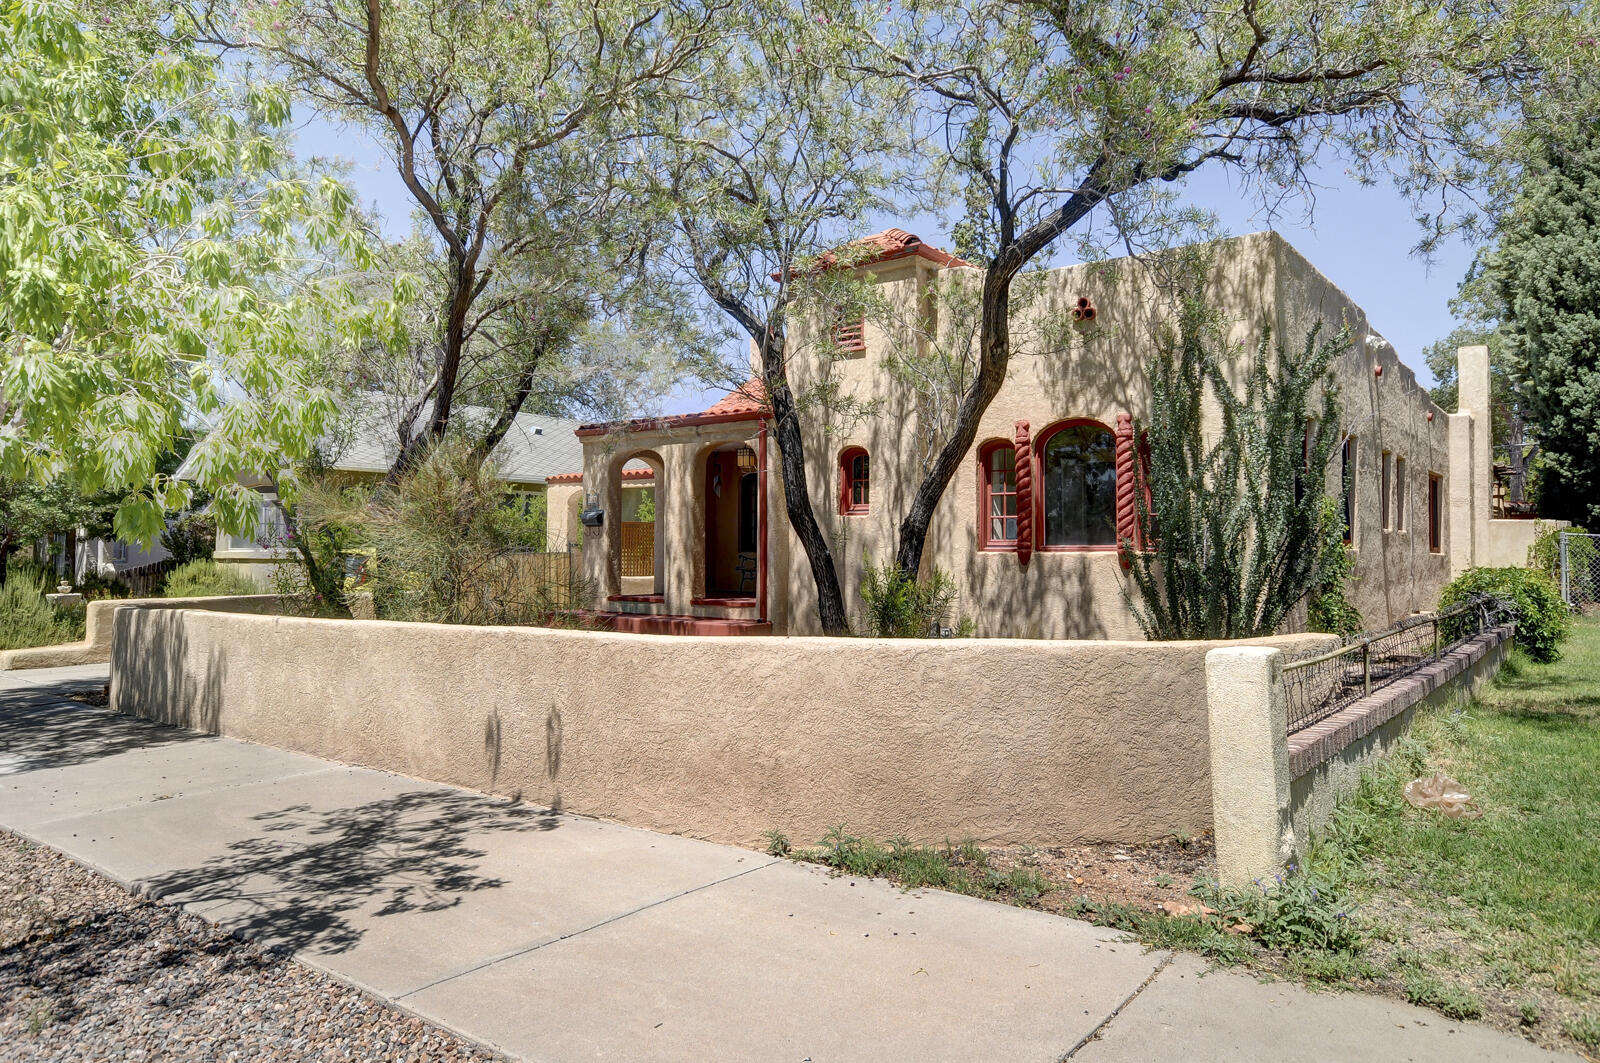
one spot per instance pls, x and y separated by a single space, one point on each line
534 448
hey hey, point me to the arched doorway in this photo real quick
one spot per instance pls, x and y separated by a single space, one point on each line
635 559
732 521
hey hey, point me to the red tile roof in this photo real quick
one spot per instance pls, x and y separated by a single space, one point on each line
743 403
577 477
749 397
897 243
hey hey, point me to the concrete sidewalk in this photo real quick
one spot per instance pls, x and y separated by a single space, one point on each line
552 937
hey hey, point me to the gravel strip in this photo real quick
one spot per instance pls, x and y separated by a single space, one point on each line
90 972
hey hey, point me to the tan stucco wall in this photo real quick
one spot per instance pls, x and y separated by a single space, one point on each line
96 645
997 740
1097 372
1510 540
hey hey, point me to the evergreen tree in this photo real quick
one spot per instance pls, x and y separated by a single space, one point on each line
1545 274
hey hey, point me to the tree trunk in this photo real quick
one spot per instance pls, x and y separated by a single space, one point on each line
994 359
796 494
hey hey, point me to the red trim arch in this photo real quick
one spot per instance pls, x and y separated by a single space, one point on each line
847 481
986 451
1043 437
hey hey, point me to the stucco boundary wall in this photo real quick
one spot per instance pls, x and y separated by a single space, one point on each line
95 648
1272 791
1000 741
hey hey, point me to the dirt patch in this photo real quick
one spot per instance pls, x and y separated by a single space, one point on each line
99 697
1139 876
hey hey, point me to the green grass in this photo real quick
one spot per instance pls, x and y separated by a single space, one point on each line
962 868
1498 916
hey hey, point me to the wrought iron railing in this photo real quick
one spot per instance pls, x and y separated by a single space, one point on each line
1317 687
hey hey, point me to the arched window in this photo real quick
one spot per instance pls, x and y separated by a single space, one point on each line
1078 470
855 481
997 496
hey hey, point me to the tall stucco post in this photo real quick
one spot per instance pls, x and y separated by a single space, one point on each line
1472 380
1249 763
676 530
1462 476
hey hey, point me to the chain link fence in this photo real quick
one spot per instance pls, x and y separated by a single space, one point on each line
1580 569
1316 688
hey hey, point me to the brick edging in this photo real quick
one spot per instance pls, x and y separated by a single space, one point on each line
1324 740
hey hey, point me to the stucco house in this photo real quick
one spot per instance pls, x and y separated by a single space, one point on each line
1028 528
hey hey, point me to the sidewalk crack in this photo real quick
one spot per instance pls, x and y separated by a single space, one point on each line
1094 1034
582 930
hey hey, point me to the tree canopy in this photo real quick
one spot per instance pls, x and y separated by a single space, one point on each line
1544 273
164 264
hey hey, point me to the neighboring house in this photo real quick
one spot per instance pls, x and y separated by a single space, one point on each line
1029 525
534 447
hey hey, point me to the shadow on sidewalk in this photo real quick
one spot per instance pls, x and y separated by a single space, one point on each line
298 884
40 728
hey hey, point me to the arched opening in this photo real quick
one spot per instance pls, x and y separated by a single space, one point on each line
1078 485
732 521
636 566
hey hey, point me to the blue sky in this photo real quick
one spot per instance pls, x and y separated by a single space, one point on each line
1360 238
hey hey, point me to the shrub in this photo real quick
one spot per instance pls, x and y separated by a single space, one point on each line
1545 553
894 606
1297 910
27 619
94 586
206 579
449 547
1543 619
190 538
1328 605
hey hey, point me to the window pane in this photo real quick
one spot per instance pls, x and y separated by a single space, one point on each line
1080 487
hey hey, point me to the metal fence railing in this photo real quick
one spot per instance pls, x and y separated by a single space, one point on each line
1580 569
1317 687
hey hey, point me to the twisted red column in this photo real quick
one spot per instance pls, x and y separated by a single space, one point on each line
1024 472
1127 512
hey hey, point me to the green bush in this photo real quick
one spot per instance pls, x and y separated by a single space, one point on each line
1300 909
1545 553
27 619
94 587
895 606
1328 605
190 538
206 579
1543 619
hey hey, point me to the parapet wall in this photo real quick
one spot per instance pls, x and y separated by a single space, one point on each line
990 739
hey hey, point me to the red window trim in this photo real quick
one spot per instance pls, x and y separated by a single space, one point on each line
1041 442
847 458
1435 513
985 543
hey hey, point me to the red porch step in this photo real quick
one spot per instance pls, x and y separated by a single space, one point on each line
672 624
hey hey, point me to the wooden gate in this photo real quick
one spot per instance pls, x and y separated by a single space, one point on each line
638 548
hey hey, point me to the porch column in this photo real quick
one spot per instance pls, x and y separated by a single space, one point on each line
676 522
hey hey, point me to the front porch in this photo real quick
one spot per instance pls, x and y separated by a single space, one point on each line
694 560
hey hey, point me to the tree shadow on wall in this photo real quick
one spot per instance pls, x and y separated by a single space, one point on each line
299 885
40 728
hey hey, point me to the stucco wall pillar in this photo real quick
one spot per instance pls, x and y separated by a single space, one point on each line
1463 474
1472 379
1249 763
679 522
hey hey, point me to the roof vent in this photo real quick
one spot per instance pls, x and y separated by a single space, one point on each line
538 431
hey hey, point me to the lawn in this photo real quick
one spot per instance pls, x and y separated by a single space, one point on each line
1498 916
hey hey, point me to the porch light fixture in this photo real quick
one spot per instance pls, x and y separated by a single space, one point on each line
747 459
